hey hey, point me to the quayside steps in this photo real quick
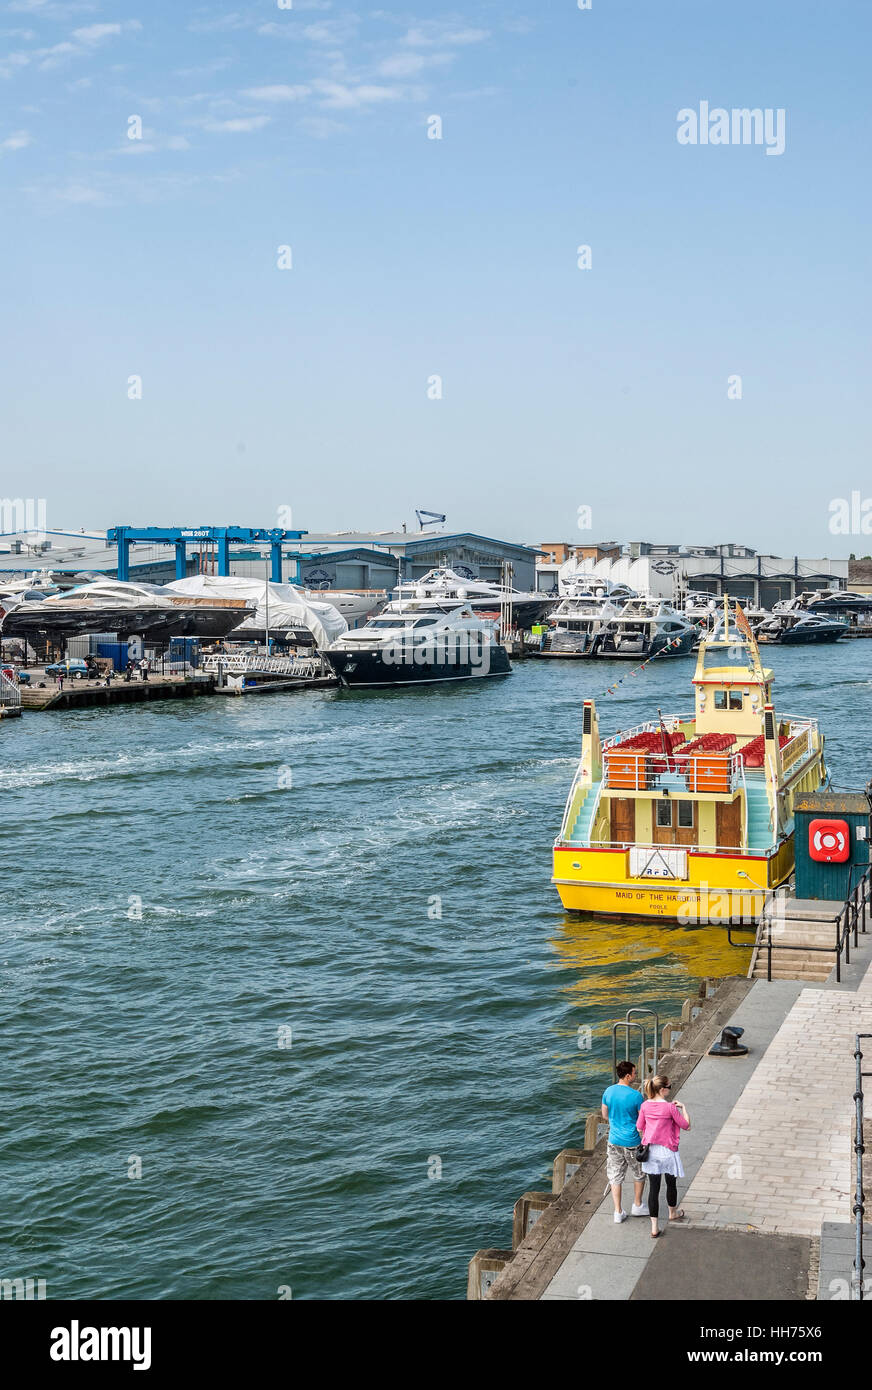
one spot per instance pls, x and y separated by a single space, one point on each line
806 938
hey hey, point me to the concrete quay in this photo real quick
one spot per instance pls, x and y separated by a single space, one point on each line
769 1185
83 694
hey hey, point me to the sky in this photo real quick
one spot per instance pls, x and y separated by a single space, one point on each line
429 339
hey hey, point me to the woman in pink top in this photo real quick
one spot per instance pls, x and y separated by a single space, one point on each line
660 1124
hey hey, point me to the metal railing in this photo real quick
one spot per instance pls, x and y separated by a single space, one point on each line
241 663
627 1023
652 726
846 923
640 770
10 692
859 1208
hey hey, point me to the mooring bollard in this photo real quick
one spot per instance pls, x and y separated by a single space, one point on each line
671 1034
527 1211
565 1164
594 1129
484 1267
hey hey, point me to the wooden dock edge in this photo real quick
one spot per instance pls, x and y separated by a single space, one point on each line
527 1274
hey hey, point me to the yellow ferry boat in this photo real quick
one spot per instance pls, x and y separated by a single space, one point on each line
691 815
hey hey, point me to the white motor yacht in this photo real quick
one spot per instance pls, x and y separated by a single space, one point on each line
646 626
446 585
418 642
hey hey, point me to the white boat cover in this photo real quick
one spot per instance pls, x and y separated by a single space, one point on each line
288 609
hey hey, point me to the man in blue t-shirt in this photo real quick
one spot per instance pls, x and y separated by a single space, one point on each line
620 1106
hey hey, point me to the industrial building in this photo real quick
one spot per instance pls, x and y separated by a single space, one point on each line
320 560
670 571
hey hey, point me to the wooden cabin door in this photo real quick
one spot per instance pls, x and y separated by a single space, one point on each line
623 819
729 824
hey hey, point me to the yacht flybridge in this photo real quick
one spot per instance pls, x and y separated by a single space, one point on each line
690 816
446 586
644 627
416 642
576 624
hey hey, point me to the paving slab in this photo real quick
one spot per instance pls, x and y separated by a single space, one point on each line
710 1093
599 1278
698 1265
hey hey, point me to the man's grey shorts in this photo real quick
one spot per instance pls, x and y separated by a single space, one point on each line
618 1160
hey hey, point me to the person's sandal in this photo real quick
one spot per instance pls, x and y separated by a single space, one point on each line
679 1217
655 1234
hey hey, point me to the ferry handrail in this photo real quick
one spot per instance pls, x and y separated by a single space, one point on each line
649 726
859 1208
774 805
570 800
737 850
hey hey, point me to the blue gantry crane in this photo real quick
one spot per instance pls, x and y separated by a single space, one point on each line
221 536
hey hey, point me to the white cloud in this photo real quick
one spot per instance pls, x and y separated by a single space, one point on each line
93 33
410 64
17 141
222 24
433 32
239 124
277 93
341 96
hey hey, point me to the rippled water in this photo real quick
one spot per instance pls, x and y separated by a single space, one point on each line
171 903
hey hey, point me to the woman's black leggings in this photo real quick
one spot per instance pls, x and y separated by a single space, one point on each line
654 1192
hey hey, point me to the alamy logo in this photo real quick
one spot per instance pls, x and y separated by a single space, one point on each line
75 1343
22 1288
20 515
740 126
463 648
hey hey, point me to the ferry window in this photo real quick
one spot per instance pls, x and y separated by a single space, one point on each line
425 622
735 699
685 815
664 812
720 699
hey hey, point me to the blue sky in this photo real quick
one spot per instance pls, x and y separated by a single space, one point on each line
265 388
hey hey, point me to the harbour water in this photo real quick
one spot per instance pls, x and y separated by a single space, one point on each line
300 957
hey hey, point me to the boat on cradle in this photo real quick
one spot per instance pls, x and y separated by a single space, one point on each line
645 627
418 642
485 599
113 605
690 816
353 604
792 623
277 612
576 624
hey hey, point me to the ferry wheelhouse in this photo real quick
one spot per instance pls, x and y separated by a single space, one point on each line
690 816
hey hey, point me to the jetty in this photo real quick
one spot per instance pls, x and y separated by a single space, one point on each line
83 694
775 1173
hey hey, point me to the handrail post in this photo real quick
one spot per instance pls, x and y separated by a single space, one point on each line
838 950
859 1194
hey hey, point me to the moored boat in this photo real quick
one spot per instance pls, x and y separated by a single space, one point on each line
690 816
418 643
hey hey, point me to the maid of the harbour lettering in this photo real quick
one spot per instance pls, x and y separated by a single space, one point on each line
75 1343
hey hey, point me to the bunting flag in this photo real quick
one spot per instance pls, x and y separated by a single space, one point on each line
637 670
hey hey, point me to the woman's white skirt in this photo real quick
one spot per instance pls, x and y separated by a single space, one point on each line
663 1160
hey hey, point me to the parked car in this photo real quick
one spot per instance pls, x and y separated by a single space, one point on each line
10 672
74 666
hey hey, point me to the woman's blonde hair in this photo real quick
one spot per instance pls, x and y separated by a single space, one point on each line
654 1085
